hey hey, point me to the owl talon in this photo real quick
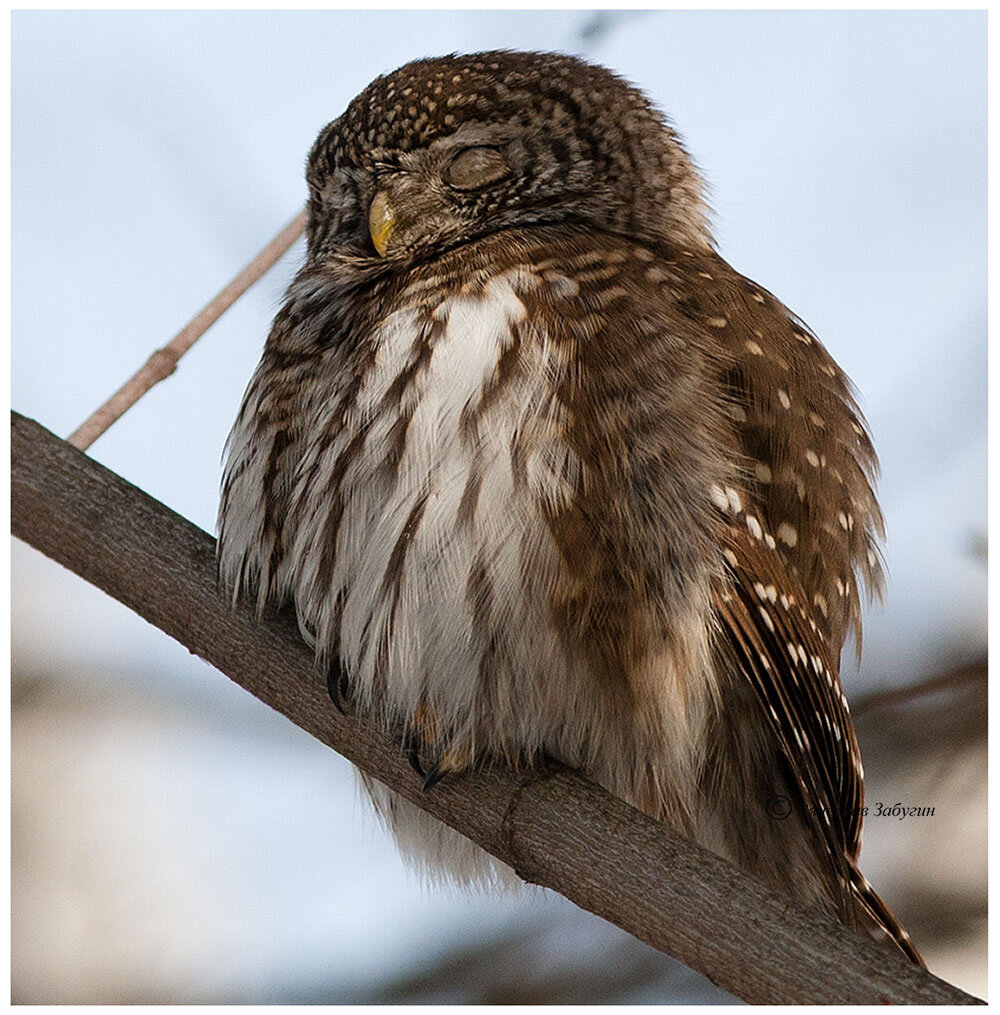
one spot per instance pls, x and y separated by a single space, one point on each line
433 777
336 686
412 747
454 759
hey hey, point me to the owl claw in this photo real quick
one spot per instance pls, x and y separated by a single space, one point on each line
412 747
433 777
336 685
454 759
423 732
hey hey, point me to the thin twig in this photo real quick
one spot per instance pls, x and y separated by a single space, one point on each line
163 362
553 826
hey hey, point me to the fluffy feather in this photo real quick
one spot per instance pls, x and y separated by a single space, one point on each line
551 478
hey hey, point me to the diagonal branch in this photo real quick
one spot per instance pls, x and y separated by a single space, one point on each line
162 363
554 827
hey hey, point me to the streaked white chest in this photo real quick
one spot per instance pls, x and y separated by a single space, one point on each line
450 455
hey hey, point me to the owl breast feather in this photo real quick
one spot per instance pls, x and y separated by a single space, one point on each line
449 458
470 506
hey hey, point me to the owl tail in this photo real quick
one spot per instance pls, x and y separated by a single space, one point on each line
881 917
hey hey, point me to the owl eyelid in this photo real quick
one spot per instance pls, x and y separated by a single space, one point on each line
475 167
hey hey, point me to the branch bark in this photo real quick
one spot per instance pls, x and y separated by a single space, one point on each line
553 826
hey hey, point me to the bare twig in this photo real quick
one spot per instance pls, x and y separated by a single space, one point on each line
164 361
552 826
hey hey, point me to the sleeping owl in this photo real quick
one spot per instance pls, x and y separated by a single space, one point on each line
543 476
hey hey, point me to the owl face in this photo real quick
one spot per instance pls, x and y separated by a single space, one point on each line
444 151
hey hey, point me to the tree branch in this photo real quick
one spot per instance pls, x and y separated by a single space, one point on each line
162 363
552 826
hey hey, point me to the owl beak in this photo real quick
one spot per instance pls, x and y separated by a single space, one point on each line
381 222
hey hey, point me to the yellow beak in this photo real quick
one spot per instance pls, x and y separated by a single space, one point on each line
381 222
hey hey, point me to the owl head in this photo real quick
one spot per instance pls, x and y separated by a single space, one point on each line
446 150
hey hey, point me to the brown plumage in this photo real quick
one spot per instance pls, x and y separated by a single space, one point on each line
546 476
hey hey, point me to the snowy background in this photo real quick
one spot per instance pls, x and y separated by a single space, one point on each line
173 840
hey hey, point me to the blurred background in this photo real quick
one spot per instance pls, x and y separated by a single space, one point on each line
173 839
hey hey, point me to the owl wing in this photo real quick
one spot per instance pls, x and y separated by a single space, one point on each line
803 532
801 529
802 536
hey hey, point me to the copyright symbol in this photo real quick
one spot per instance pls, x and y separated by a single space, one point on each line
779 807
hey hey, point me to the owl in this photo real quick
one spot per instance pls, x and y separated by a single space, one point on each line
544 477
